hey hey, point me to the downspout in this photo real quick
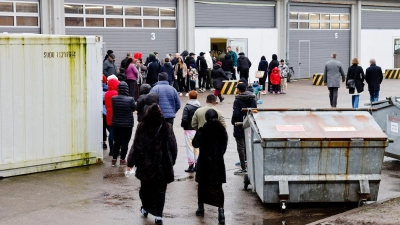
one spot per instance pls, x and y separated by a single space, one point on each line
287 30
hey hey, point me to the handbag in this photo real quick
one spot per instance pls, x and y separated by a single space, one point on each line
260 74
351 84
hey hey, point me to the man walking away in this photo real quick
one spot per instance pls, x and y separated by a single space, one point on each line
123 62
284 74
244 65
333 71
201 65
242 100
109 67
199 117
169 100
374 79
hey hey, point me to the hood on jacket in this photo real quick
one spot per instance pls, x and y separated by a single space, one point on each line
247 96
151 98
242 56
200 57
227 56
242 53
113 85
183 61
194 102
152 58
168 64
216 66
123 88
263 58
145 89
275 70
243 80
184 53
274 57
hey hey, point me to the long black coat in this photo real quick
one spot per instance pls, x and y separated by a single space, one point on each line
263 66
218 75
356 73
152 71
374 77
212 139
247 100
153 154
227 64
123 107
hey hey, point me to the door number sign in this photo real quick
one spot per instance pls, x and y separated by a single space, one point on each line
336 35
153 36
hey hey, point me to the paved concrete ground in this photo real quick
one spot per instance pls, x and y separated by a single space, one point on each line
100 194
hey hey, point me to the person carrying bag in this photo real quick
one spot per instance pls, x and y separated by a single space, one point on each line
355 82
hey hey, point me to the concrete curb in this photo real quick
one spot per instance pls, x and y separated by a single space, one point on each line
327 220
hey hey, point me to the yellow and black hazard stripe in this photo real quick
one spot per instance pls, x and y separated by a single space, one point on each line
318 79
229 88
392 74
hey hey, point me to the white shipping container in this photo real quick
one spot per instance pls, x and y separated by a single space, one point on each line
50 102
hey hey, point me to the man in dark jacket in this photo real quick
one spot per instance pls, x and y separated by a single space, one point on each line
201 65
175 60
374 77
123 107
274 63
152 71
218 76
244 65
168 68
190 60
242 100
144 90
109 67
227 66
123 62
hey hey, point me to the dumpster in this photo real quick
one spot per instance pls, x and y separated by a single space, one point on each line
387 116
310 155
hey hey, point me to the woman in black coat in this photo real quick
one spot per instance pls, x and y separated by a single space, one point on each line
153 152
274 63
227 65
263 66
212 139
218 76
355 73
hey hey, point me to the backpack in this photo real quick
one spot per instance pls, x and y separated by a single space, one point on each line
275 76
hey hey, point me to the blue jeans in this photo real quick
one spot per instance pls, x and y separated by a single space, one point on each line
354 101
374 96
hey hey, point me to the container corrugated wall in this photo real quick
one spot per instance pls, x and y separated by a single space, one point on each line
50 108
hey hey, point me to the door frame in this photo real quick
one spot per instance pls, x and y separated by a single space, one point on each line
309 58
393 38
228 43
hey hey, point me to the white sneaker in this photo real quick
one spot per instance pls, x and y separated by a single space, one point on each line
212 89
180 94
187 94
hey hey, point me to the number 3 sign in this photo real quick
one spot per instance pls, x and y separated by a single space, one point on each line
153 36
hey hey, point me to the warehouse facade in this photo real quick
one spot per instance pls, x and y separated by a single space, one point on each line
305 32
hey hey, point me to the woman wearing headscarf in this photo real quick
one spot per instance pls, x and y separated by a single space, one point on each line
263 66
212 139
153 152
132 76
356 76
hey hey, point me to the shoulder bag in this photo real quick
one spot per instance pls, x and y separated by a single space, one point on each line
260 74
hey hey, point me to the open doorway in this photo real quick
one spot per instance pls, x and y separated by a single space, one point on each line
218 44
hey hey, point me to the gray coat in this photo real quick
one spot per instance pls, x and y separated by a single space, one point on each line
109 68
333 71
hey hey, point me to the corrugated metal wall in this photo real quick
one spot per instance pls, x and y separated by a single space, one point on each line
380 18
225 15
322 42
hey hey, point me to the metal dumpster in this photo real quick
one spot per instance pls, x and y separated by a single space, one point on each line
309 155
388 118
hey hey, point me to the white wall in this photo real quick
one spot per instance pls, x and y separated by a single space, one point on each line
260 42
378 44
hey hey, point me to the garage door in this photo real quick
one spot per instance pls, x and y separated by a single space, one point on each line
142 26
316 32
20 16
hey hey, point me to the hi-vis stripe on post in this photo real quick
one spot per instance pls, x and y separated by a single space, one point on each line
229 88
318 79
392 74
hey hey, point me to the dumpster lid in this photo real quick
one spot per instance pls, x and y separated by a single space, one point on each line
318 125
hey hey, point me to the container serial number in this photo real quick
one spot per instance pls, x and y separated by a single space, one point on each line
59 54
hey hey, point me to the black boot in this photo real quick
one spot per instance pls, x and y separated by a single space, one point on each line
221 99
200 210
221 216
190 169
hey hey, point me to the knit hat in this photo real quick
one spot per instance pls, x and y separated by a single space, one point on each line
112 77
219 63
241 87
162 76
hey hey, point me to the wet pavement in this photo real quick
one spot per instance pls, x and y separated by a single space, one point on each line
100 194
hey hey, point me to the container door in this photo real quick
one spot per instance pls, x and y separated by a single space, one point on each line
238 45
304 59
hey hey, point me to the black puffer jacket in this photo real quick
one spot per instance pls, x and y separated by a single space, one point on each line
189 61
218 75
150 99
123 107
152 70
227 64
244 63
247 100
188 112
201 64
144 90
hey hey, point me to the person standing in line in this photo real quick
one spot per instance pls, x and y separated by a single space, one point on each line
175 60
242 100
154 153
234 59
112 91
355 81
374 77
333 71
109 67
169 69
180 74
190 60
284 69
244 65
123 107
202 66
227 66
263 66
221 55
152 71
132 75
123 62
212 139
144 90
274 63
109 52
209 84
199 117
105 89
190 108
218 76
169 100
184 54
275 80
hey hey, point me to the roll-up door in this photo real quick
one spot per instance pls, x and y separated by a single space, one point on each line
20 16
234 13
126 26
380 17
316 31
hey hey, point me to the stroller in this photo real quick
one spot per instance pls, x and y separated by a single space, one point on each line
257 88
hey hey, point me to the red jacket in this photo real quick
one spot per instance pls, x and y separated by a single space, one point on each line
275 76
112 91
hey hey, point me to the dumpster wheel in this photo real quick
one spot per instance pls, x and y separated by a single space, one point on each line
362 202
246 181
